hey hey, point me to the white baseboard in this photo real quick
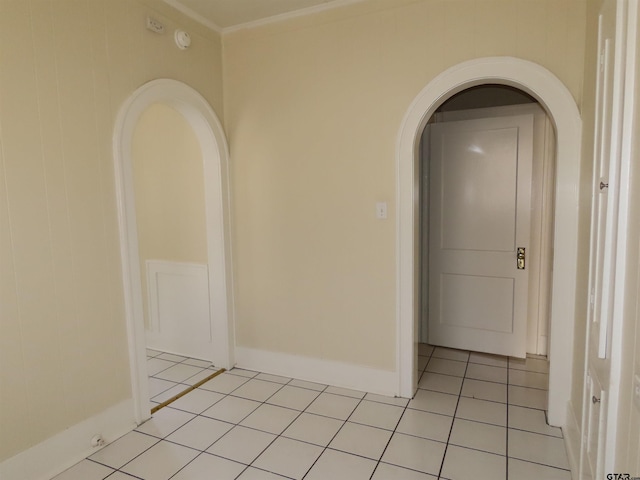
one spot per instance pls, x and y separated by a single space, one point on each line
572 435
56 454
328 372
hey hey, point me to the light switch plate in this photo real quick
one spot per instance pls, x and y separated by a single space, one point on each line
636 391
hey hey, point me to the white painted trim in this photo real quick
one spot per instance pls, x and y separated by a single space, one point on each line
215 153
328 5
327 372
56 454
192 14
626 36
560 105
571 434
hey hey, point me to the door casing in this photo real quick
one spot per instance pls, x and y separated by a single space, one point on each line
556 99
215 153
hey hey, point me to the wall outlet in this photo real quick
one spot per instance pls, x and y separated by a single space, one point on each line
636 391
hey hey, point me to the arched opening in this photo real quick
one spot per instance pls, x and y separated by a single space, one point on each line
210 136
561 108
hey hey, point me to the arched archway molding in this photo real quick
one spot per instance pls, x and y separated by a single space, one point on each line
561 108
215 152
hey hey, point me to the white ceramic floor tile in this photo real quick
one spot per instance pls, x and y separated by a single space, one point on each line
345 392
466 464
157 365
487 373
377 415
361 440
121 476
488 359
293 397
270 418
198 377
434 402
197 401
425 424
164 422
200 432
528 397
157 386
479 436
273 378
523 378
124 449
204 466
310 385
538 448
225 383
242 444
532 471
167 394
153 353
422 363
446 367
161 461
197 362
529 364
256 474
85 470
451 354
424 349
392 472
531 420
287 457
482 411
335 406
440 383
231 409
414 453
339 465
494 392
178 373
243 373
172 357
257 390
315 429
397 401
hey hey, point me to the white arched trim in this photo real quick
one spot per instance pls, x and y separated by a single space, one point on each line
561 107
208 129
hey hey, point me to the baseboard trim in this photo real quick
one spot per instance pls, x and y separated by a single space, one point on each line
572 435
56 454
328 372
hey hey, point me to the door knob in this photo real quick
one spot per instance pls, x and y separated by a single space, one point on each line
520 257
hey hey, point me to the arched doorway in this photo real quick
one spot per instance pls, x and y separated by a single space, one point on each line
208 130
561 108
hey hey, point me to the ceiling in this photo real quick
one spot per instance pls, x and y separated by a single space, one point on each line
225 15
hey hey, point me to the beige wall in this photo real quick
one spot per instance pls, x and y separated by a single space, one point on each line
66 66
169 190
313 107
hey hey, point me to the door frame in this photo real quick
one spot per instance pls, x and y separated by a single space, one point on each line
561 108
215 153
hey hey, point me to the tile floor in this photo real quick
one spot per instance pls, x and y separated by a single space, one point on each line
171 374
474 416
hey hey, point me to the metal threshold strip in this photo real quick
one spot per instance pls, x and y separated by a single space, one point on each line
183 393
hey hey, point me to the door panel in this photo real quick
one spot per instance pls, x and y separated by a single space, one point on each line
480 195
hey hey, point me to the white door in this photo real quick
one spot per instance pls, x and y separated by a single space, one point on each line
602 249
480 196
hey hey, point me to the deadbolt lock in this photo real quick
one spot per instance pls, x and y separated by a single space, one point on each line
520 257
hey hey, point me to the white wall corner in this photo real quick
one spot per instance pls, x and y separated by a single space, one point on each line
327 372
572 435
56 454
